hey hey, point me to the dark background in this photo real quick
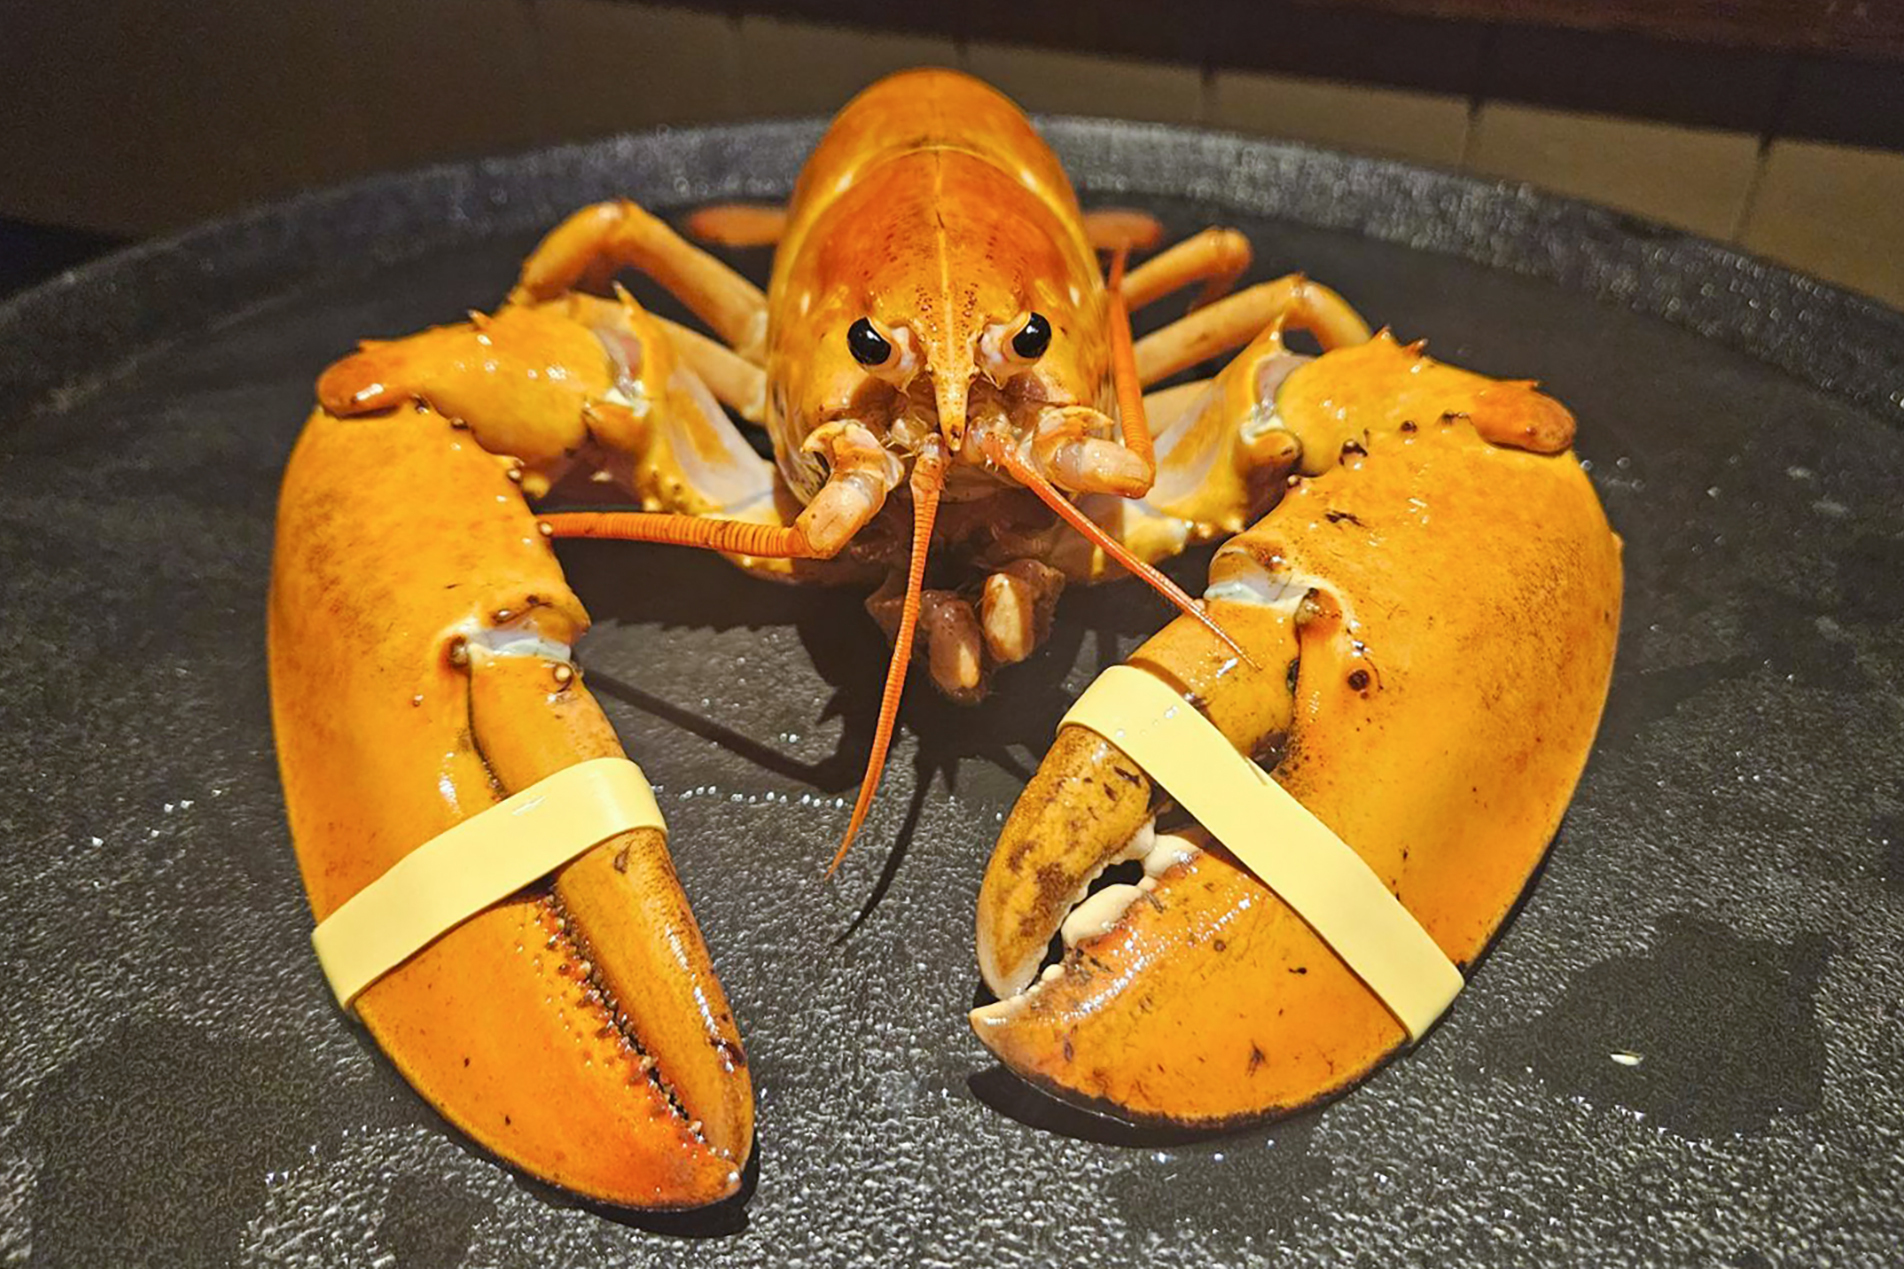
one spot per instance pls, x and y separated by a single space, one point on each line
1777 126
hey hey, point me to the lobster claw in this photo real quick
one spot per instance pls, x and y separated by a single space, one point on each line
420 671
1432 619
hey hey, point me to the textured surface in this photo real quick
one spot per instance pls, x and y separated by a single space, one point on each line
1726 900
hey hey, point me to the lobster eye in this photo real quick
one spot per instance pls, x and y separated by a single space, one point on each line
868 346
1031 342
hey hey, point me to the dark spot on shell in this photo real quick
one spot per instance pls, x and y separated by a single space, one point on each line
1353 447
735 1055
1293 673
1054 888
1256 1058
621 860
1337 517
1300 969
1218 945
1359 680
1408 425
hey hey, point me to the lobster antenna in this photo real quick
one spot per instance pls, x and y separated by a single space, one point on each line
928 480
999 451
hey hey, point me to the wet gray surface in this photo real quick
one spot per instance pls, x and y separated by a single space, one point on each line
1725 904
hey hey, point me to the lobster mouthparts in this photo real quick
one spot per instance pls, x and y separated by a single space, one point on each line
1434 618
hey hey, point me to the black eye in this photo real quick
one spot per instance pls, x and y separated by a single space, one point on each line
1031 342
869 348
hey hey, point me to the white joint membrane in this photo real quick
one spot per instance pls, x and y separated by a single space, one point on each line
1271 374
1256 587
738 480
1122 516
515 641
636 404
1249 582
1178 477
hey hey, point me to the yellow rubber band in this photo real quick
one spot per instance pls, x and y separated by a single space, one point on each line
486 858
1292 852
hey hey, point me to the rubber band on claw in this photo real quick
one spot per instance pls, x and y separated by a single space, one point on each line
484 859
1288 849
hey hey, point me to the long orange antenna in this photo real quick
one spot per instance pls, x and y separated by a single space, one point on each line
999 450
928 480
736 537
1132 424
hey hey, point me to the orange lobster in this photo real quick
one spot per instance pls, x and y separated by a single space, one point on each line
957 411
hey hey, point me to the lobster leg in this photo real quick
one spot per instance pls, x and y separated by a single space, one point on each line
1119 229
1016 607
967 637
587 249
1215 257
739 224
1292 300
734 381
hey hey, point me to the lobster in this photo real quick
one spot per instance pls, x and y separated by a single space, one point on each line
958 415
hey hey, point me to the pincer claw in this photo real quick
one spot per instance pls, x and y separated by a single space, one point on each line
1436 624
420 633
